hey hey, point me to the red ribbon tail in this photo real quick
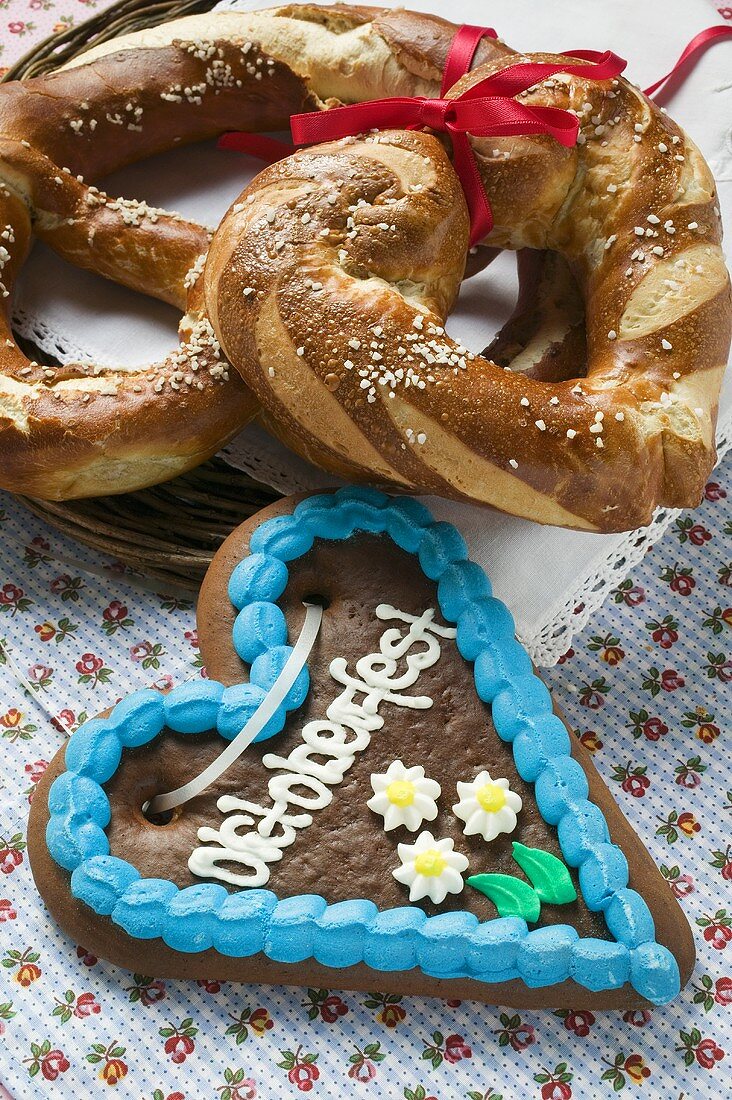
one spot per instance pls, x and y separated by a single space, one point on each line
461 53
517 78
698 43
466 167
355 118
605 65
261 146
499 117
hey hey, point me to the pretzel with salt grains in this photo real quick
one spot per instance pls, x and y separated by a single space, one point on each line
329 282
80 429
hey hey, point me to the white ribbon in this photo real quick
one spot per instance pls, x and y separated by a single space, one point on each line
266 709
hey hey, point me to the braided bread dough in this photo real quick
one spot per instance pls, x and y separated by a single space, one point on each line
330 279
637 430
82 430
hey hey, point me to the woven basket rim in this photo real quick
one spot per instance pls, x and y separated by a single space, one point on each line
118 19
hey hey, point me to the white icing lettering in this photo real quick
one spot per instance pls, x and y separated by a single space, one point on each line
346 732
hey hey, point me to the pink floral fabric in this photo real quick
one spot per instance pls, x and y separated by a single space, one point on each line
24 23
646 688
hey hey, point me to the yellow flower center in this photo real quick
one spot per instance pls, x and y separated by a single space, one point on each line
400 792
430 863
491 797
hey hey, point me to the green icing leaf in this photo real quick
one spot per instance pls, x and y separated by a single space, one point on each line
511 896
547 874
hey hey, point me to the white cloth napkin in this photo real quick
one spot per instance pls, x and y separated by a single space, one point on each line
543 574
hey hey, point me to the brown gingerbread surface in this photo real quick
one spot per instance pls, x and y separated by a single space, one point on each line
345 853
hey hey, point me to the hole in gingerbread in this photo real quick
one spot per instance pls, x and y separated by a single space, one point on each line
162 817
316 599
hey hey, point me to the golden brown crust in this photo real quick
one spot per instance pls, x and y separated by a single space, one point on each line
421 42
81 430
353 252
545 336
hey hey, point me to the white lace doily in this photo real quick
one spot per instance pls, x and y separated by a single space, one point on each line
553 580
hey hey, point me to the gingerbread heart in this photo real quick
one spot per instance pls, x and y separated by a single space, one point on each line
413 816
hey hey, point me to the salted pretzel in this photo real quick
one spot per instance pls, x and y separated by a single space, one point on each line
81 430
329 281
78 430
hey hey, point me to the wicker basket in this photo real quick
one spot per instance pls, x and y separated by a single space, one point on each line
168 533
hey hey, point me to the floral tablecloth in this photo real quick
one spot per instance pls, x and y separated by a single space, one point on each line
646 687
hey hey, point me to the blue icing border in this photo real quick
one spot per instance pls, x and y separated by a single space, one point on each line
449 945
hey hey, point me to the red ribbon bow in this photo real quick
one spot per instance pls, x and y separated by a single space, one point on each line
486 109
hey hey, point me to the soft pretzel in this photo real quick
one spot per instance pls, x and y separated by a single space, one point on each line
81 430
329 282
78 430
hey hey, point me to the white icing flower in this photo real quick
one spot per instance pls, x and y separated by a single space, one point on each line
487 806
430 868
404 796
